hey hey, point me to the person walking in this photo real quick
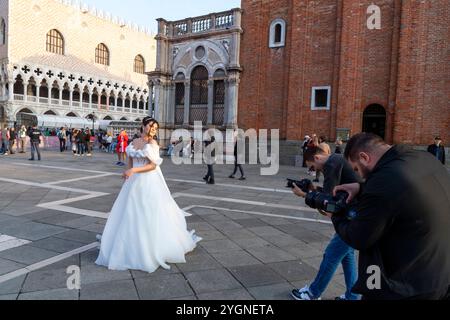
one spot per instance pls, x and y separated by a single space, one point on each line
122 144
87 142
12 140
5 139
22 138
80 143
239 157
437 150
62 136
210 158
35 139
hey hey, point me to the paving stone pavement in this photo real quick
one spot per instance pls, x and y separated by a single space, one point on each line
256 249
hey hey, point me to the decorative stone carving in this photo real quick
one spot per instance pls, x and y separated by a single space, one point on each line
226 45
175 51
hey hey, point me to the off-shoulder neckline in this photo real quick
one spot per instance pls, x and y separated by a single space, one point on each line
147 144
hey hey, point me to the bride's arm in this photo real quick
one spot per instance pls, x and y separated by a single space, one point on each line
147 168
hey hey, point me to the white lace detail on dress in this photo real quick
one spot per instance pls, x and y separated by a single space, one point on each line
150 152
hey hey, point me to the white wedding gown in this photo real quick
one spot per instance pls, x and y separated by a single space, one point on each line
146 229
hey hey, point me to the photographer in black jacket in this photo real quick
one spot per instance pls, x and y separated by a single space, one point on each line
401 223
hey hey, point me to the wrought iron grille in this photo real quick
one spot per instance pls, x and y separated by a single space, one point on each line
179 114
219 92
198 113
179 94
199 86
218 115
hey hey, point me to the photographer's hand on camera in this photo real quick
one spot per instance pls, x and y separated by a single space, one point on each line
297 191
352 189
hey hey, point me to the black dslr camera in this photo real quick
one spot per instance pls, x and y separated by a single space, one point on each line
304 184
319 200
328 203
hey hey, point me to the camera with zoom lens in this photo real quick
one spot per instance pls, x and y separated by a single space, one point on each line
328 203
304 184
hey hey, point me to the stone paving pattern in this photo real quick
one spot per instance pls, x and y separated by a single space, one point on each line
242 257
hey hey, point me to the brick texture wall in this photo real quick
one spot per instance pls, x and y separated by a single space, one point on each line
404 67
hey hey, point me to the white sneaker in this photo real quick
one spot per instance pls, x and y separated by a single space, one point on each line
99 238
303 294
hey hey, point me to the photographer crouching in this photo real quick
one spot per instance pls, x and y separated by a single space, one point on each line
336 171
400 222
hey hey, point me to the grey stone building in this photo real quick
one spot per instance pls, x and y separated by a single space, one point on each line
197 72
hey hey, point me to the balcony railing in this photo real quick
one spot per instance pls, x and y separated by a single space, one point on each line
211 22
77 105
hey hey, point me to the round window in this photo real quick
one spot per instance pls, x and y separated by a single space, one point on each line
200 52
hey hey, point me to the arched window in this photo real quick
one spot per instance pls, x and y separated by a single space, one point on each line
199 85
198 110
55 42
139 64
102 54
2 32
277 33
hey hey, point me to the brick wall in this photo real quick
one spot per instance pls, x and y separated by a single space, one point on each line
404 67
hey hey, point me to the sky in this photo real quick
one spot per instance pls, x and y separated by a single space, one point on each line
145 12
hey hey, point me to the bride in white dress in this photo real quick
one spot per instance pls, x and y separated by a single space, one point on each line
146 229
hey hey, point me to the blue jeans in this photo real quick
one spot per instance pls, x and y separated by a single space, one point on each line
5 146
80 148
337 252
35 148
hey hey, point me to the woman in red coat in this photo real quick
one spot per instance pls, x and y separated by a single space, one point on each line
122 144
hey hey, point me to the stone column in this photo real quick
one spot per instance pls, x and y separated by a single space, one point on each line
25 90
210 101
60 96
225 103
70 96
10 90
3 89
90 100
187 101
150 99
158 100
38 93
49 88
171 106
233 92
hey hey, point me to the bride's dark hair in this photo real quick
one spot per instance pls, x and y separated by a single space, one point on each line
147 121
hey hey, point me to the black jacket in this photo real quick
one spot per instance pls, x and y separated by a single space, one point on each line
433 150
402 225
35 135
